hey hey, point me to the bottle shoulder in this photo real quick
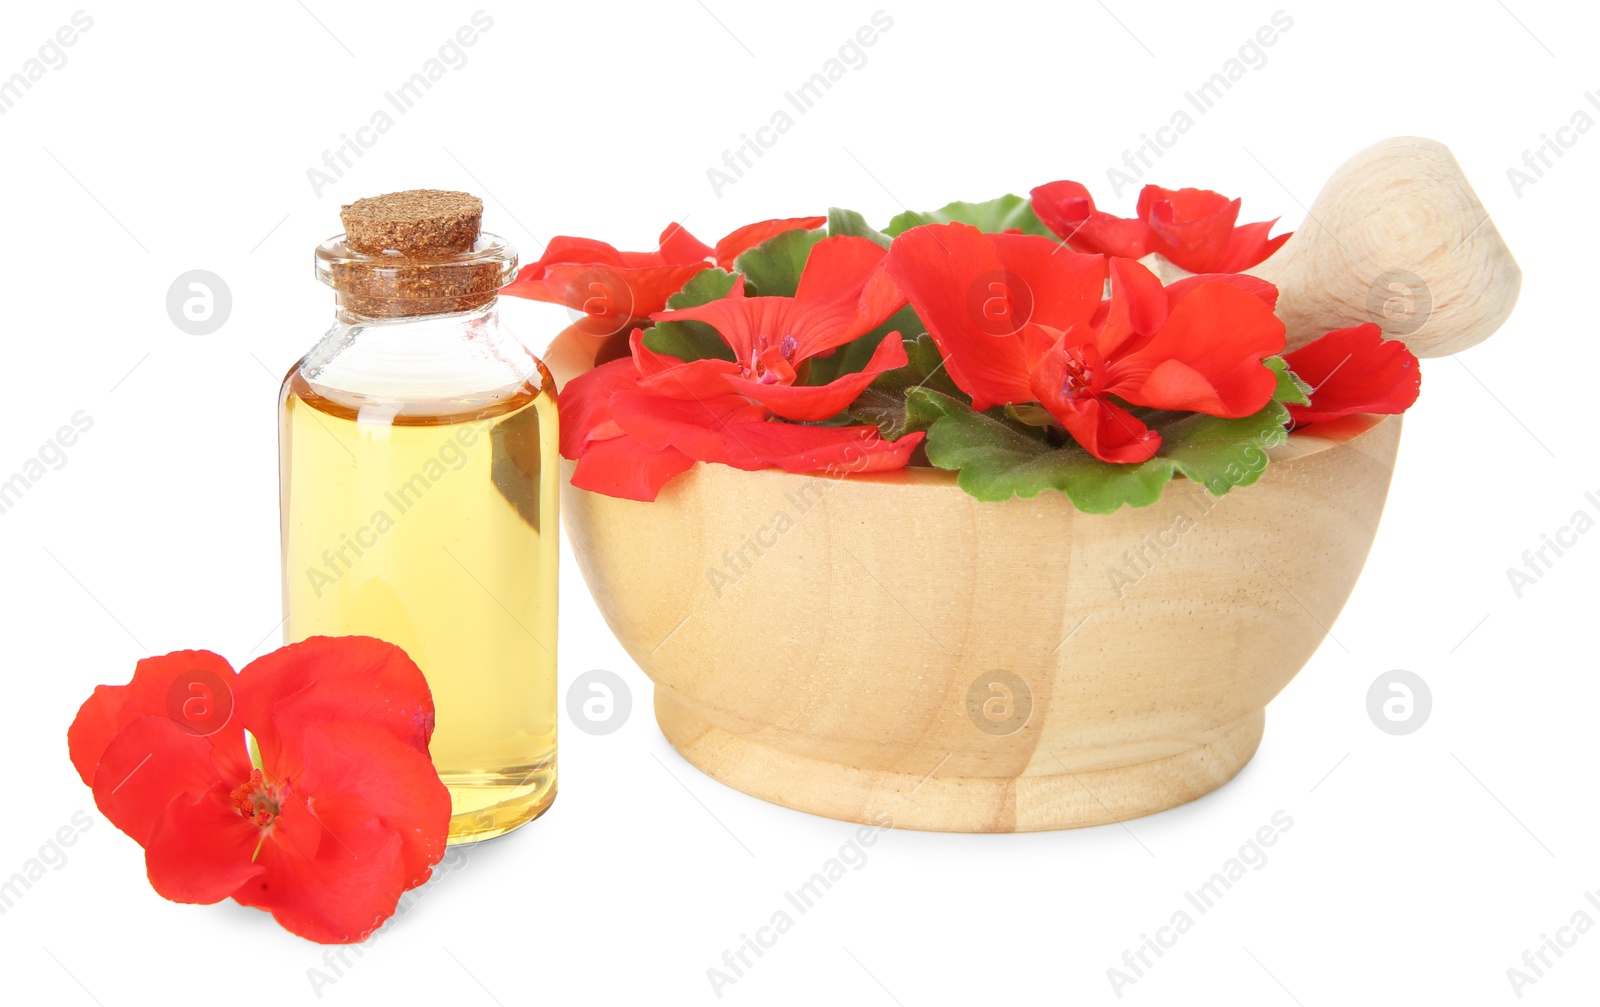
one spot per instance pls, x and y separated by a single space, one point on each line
445 368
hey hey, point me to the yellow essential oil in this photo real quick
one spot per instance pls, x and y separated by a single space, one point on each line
418 453
429 528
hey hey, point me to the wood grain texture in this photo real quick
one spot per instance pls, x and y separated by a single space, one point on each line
815 641
1397 237
867 646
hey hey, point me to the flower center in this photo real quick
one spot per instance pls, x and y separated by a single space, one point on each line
1078 377
256 800
761 360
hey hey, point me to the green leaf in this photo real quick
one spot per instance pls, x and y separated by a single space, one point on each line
704 287
852 223
693 340
1221 454
990 217
996 461
853 356
885 410
921 412
895 414
888 402
772 268
924 368
928 362
1290 388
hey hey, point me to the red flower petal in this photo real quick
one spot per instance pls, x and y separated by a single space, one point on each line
813 403
677 245
341 895
833 450
1068 210
741 321
750 235
361 818
1354 370
152 761
608 286
1062 288
1268 293
626 467
349 815
1136 309
562 249
837 269
605 294
843 293
585 405
1207 357
697 379
696 427
647 361
1248 246
1106 430
1190 227
952 274
734 431
348 774
199 849
632 425
154 692
332 679
1174 384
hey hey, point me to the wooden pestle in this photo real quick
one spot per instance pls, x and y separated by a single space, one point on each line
1396 237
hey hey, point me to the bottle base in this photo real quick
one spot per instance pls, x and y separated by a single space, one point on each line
487 805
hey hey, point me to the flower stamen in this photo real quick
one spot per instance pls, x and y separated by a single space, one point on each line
1078 377
256 800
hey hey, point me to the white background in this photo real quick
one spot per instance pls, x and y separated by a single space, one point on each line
1418 869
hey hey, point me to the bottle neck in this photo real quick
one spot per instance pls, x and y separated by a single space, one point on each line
351 313
387 286
417 359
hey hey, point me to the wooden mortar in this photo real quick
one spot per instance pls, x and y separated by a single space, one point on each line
887 645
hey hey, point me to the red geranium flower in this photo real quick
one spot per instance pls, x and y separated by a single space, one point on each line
1193 228
1019 321
1068 210
615 289
750 235
1354 370
344 813
634 423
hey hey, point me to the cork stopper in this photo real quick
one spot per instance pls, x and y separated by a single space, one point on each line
419 222
418 252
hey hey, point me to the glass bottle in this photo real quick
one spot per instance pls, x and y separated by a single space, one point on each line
418 471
